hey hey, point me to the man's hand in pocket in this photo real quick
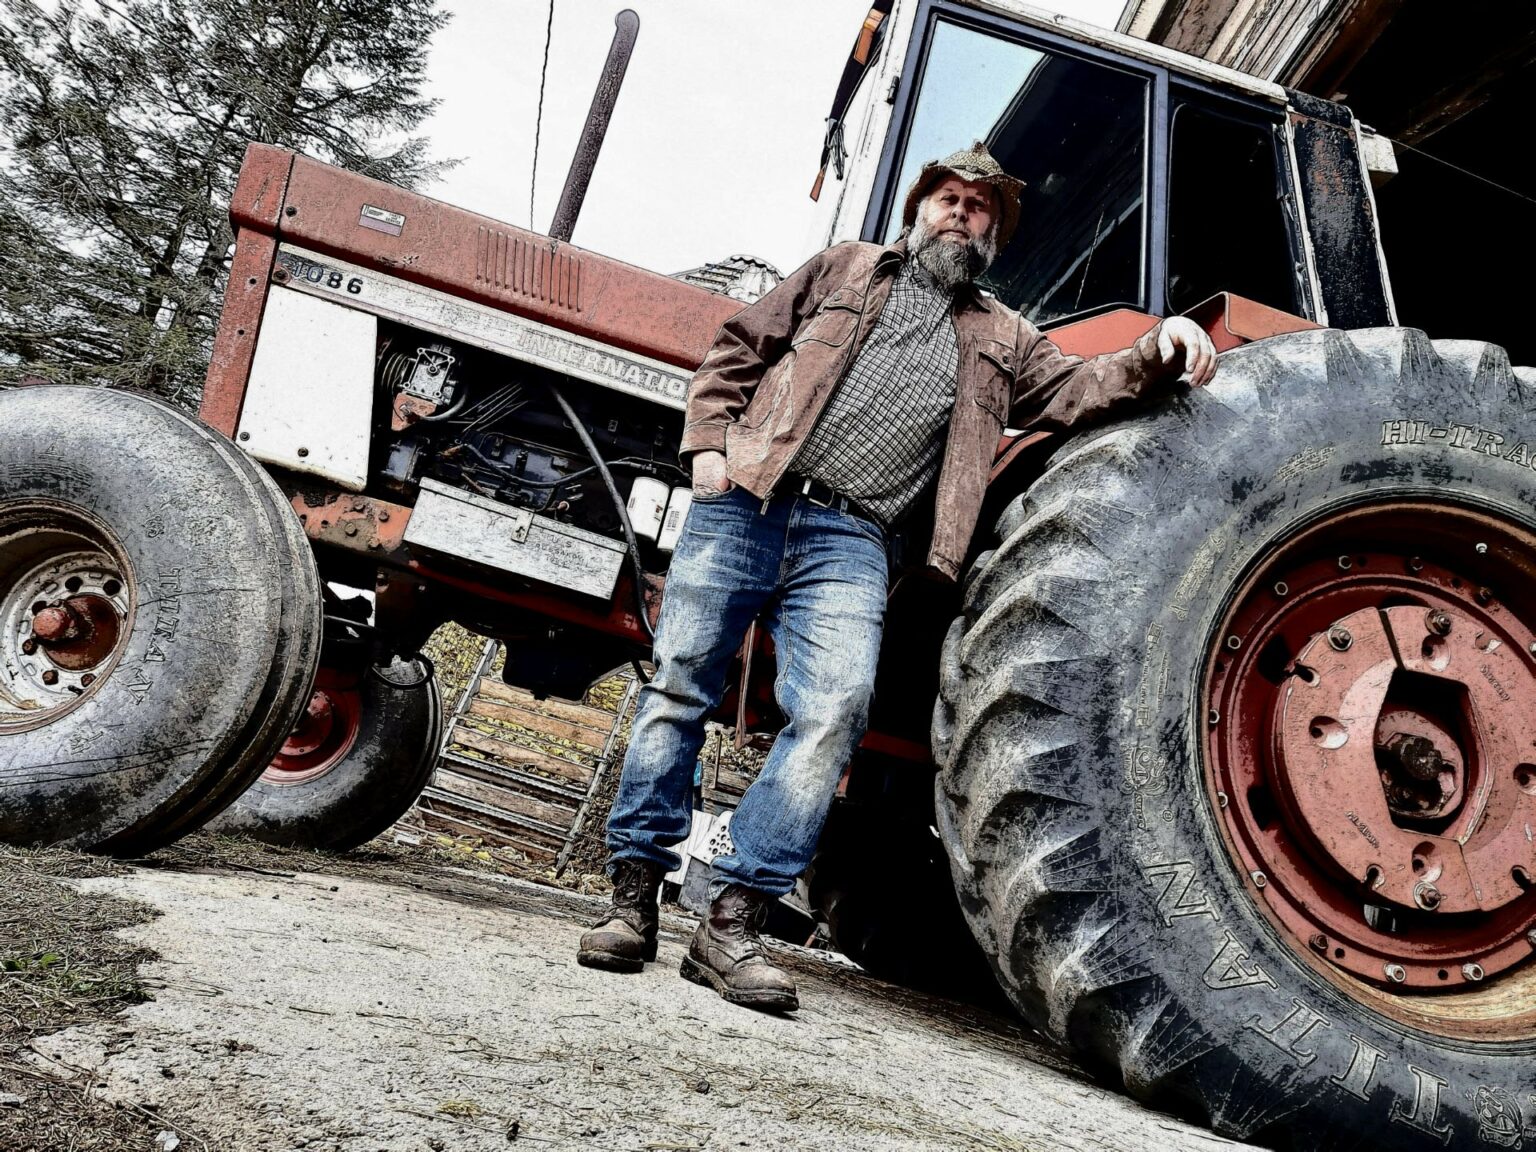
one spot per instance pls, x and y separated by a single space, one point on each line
709 473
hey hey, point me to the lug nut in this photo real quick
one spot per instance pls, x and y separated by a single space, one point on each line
1395 973
1481 549
1339 638
88 679
1426 896
29 646
50 677
1234 642
1345 563
1281 588
1319 942
1472 971
1258 878
1416 565
1438 622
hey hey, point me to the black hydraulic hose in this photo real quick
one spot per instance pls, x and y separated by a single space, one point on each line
449 412
647 466
618 503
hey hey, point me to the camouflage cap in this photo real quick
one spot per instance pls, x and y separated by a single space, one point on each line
976 166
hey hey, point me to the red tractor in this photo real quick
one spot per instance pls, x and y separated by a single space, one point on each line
1227 740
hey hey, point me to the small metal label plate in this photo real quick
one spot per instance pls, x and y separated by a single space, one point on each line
452 522
381 220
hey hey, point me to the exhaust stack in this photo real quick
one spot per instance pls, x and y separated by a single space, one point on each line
626 29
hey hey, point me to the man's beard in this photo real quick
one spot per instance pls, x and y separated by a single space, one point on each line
950 264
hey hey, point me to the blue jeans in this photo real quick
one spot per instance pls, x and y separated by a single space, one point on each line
817 578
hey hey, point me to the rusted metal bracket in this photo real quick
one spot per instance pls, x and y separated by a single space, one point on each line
357 523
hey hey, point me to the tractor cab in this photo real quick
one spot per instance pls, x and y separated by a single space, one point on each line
1154 181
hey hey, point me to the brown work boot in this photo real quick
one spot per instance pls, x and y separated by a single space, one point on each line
728 955
625 937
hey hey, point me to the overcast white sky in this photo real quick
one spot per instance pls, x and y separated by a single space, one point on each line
713 144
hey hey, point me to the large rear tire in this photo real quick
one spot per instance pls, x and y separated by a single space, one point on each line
1130 794
151 629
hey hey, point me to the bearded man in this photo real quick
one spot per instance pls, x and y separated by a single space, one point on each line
870 379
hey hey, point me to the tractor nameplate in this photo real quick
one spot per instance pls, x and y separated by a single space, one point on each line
481 325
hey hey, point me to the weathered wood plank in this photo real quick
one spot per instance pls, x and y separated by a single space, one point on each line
509 822
453 825
540 786
517 754
525 717
724 780
505 799
594 718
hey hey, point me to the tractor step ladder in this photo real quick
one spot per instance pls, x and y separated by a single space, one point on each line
520 772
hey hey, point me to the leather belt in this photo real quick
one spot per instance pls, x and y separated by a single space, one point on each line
825 496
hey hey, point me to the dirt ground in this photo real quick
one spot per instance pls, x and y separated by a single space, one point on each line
252 1000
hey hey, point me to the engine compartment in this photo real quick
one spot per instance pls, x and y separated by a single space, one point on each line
490 425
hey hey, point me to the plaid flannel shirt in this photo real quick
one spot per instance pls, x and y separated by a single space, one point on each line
881 436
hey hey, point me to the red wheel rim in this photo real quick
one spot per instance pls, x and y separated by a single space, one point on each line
325 732
1370 714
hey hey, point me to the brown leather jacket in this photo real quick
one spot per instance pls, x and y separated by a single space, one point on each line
775 363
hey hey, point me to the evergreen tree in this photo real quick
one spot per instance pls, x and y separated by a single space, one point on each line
122 127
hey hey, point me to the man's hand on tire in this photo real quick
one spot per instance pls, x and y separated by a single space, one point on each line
709 477
1179 336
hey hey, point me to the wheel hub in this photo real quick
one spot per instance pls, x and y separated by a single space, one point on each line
1369 803
78 633
313 728
1418 780
325 732
1371 745
64 604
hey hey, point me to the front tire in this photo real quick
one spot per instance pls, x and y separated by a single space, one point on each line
150 630
1139 905
352 767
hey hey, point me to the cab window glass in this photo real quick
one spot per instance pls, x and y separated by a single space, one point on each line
1227 229
1075 131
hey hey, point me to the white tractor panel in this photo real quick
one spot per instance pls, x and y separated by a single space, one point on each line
308 406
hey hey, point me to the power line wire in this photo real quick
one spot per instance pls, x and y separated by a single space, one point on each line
538 123
1464 171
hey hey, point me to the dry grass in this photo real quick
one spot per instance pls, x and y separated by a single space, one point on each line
383 858
62 964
